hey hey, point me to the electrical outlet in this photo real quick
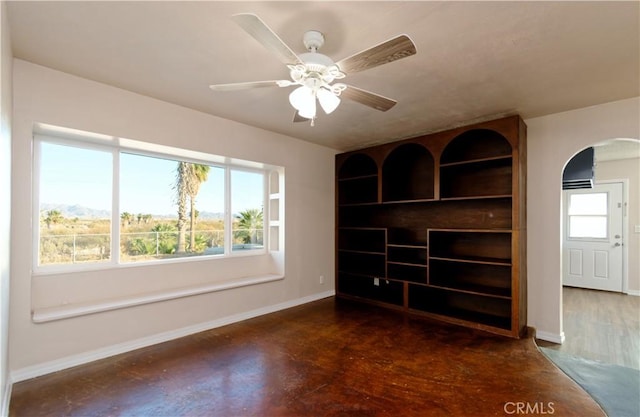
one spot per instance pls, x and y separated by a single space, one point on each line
321 279
376 282
637 228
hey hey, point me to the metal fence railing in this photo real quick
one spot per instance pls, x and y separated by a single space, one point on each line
84 248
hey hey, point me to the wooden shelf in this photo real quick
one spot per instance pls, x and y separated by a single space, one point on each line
408 255
422 200
475 161
478 290
358 191
363 240
473 246
407 272
492 311
408 246
480 178
361 251
360 177
386 291
476 197
469 260
487 322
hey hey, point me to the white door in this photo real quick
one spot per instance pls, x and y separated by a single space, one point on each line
592 237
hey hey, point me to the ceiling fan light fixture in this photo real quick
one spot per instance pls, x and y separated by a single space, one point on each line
303 100
314 73
328 101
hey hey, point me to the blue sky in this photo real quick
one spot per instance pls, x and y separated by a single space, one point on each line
71 175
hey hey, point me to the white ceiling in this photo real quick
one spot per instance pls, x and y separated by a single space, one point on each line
617 149
475 60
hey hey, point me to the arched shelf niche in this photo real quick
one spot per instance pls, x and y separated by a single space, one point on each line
476 144
408 174
476 164
358 165
358 180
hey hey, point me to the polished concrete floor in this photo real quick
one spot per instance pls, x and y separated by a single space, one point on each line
327 358
600 325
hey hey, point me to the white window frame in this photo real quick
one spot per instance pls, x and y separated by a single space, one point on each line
89 141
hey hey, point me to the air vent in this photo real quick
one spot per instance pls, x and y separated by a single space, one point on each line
579 171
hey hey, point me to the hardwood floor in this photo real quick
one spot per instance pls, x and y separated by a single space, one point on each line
327 358
600 325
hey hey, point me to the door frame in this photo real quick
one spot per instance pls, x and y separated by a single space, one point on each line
625 229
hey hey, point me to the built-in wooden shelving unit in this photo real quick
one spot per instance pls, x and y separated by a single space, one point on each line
435 225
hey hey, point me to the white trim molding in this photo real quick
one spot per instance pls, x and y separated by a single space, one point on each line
6 398
33 371
550 337
43 315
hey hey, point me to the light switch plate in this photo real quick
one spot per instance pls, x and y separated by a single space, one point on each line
637 228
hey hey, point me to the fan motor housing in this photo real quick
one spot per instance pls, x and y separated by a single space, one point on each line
316 62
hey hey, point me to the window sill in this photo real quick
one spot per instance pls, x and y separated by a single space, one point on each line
44 315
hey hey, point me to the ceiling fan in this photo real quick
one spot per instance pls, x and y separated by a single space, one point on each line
314 73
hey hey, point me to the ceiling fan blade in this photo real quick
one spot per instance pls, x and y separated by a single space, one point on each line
368 98
249 85
268 38
297 118
397 48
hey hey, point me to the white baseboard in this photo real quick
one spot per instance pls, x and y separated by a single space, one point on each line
86 357
550 337
6 397
633 292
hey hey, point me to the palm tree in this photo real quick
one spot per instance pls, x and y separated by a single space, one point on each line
126 218
189 177
199 173
249 222
53 217
182 179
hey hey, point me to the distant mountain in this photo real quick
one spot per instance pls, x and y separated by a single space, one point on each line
71 211
76 210
208 215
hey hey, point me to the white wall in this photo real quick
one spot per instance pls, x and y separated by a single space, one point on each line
5 202
42 95
627 169
552 140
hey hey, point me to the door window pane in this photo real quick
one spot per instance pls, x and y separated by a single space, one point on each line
588 204
588 227
75 187
588 215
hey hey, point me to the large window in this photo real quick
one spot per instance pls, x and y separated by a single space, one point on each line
102 205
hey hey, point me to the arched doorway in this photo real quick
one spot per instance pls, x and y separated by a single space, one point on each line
599 229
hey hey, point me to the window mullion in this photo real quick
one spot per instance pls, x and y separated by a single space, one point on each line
228 218
36 203
266 209
115 209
